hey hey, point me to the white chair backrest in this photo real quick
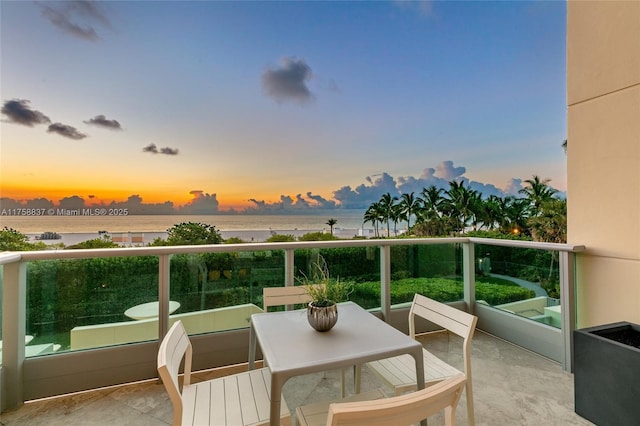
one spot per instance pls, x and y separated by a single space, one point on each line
401 410
454 320
174 347
280 296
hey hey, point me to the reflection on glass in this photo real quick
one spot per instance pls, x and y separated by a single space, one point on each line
525 282
77 304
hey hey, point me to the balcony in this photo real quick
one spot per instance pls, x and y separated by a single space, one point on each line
512 386
41 293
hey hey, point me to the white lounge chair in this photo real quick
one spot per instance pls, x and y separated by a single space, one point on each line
399 410
236 400
399 372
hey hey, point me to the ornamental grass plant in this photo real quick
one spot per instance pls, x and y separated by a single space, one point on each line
322 289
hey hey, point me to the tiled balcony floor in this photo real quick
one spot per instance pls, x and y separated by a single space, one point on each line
512 386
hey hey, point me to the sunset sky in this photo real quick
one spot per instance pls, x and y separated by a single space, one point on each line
324 102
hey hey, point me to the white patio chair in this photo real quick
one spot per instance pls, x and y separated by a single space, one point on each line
236 400
315 414
399 410
400 372
281 296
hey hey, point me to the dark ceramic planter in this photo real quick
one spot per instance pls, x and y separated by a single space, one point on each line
606 363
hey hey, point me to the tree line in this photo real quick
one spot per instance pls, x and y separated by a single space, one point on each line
435 212
439 212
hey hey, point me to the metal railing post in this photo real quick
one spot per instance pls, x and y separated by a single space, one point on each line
164 262
289 267
289 272
469 275
567 305
385 281
14 305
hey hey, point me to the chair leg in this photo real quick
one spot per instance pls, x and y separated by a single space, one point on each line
342 377
449 416
470 412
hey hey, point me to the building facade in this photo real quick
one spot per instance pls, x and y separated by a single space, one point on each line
603 154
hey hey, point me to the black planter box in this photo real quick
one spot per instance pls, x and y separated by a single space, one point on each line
606 366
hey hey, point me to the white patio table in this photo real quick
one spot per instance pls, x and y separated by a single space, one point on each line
149 310
291 347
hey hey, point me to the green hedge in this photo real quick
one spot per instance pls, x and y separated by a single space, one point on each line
442 289
62 294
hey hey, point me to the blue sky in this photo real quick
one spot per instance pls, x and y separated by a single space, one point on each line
315 103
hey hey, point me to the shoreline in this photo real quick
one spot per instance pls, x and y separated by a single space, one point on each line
143 238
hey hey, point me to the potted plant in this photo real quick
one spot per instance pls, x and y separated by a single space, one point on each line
324 293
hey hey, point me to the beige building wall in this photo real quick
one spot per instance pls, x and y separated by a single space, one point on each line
603 157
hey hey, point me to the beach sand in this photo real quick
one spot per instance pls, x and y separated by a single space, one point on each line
140 239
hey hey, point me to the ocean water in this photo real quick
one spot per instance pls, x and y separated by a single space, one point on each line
347 219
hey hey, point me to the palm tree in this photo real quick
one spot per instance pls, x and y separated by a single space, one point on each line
397 214
431 201
461 204
503 206
331 222
373 215
489 212
386 205
516 214
550 225
409 204
538 191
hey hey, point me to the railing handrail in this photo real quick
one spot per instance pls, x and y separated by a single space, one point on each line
572 248
10 257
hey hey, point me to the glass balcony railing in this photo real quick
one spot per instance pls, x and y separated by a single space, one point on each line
108 298
92 302
521 281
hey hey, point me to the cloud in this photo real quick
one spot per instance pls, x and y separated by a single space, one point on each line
18 111
321 201
446 171
71 203
202 203
513 187
36 203
423 7
76 18
364 195
135 205
101 121
168 151
285 203
66 131
289 204
409 184
440 176
152 148
360 197
485 189
288 83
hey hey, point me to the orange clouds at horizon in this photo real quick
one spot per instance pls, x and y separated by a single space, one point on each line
106 196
